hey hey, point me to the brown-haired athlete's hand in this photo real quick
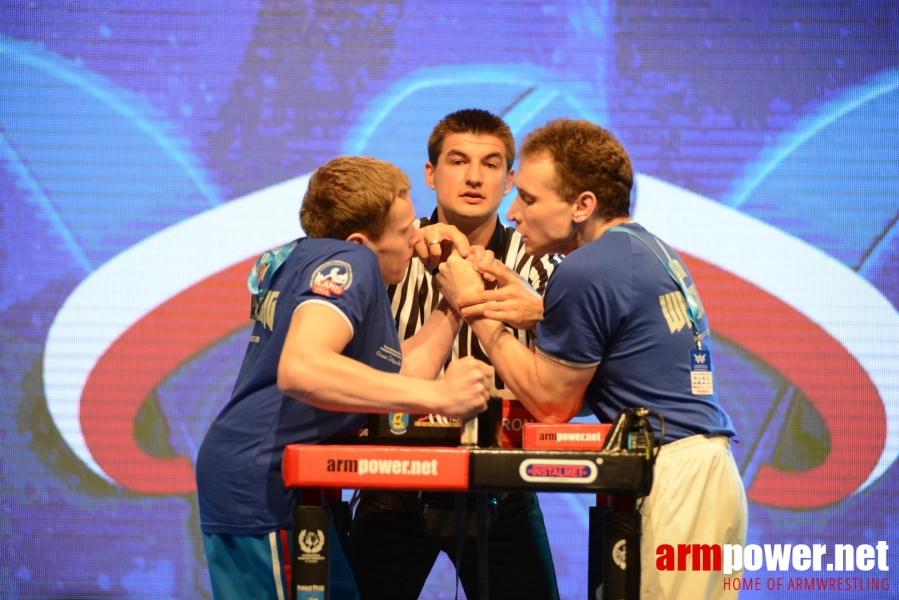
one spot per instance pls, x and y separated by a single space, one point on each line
513 302
457 277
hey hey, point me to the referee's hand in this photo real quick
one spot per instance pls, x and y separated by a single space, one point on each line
437 242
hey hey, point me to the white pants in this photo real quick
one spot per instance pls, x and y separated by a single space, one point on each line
697 498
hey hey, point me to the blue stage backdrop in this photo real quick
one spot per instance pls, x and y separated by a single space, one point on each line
151 150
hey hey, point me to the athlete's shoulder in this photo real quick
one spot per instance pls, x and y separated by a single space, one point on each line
595 257
344 263
319 249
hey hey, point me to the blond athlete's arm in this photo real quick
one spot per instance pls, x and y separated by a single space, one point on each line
313 370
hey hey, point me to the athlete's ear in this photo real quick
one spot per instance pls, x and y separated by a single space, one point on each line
584 207
510 181
358 238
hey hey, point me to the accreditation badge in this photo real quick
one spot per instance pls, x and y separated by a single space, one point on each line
701 373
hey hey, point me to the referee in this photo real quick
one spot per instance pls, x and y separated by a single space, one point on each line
470 158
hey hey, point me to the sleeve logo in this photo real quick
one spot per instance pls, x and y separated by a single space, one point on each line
331 279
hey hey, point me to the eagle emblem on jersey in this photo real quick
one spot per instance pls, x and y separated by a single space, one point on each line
331 279
311 542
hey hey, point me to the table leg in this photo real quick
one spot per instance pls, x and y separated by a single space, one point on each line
310 550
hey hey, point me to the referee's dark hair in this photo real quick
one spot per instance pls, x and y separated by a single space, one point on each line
475 121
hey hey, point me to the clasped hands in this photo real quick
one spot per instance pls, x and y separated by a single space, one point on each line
476 284
480 286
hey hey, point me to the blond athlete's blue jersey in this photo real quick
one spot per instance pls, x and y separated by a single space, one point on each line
239 482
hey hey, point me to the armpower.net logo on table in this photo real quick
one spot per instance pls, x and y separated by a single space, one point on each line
383 466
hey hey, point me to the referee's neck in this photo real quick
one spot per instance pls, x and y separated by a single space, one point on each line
478 233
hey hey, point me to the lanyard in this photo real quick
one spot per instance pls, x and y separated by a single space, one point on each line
694 309
260 279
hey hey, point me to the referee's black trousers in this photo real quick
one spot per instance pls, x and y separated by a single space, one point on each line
391 555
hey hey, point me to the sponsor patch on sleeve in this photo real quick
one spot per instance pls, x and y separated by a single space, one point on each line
332 278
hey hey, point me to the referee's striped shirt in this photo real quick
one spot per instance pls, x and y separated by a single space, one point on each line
414 299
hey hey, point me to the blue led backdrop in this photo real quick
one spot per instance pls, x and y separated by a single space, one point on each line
149 151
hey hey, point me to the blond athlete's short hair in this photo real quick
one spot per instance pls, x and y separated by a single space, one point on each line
351 194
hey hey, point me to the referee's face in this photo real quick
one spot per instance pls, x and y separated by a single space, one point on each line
394 248
470 178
